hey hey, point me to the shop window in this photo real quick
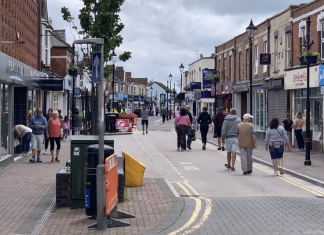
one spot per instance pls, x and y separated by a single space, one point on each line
55 101
276 58
265 50
258 109
322 40
287 51
256 59
4 97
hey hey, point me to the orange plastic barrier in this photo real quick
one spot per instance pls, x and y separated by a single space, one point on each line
131 116
111 174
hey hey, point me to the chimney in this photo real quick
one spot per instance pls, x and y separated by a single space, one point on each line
201 56
129 74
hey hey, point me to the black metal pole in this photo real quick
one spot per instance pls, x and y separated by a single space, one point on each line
181 90
250 74
215 107
73 90
113 87
174 98
308 139
167 115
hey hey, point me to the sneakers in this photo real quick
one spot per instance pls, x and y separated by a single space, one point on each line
204 147
245 173
219 148
45 152
232 168
188 147
276 173
228 166
33 160
281 171
223 149
39 160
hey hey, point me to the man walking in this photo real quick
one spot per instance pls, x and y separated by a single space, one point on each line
144 115
163 113
229 129
247 141
38 124
187 107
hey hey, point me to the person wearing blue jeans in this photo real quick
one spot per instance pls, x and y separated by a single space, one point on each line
24 133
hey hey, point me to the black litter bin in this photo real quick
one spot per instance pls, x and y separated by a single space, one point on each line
92 152
111 121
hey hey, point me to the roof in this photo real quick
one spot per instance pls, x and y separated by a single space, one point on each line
57 39
164 87
141 80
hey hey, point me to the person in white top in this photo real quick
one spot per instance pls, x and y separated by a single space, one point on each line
23 134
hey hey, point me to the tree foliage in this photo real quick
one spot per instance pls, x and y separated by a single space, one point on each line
100 19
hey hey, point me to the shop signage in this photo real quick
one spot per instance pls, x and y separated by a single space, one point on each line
321 75
227 88
240 87
135 98
162 98
195 85
77 91
50 84
207 74
122 124
265 58
297 78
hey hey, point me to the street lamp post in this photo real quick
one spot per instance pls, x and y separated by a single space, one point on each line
181 68
170 78
167 101
73 91
151 99
250 30
215 80
308 139
174 93
114 56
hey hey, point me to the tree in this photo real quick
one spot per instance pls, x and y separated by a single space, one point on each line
100 19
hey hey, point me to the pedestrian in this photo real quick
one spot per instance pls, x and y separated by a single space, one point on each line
46 140
246 135
163 113
287 124
60 116
53 132
77 123
38 124
181 125
298 128
177 112
229 129
144 115
275 139
204 120
218 123
23 134
66 128
311 126
189 133
157 110
128 111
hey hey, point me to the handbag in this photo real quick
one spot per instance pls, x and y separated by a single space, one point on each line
61 134
193 135
278 144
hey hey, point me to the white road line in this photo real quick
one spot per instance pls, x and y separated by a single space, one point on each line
175 193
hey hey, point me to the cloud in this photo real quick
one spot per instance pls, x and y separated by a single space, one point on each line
163 34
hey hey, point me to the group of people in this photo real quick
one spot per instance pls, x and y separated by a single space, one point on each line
42 129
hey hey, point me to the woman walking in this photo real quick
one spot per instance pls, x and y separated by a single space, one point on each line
218 123
24 133
182 125
53 133
275 139
204 120
287 124
298 128
66 128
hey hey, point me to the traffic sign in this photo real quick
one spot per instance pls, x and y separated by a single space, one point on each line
187 100
96 67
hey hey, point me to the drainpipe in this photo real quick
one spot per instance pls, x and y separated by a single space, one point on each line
268 75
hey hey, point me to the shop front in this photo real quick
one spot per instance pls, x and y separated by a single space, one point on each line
240 93
19 97
227 96
207 101
295 80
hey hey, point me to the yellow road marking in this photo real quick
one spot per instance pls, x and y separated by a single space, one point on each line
192 189
184 189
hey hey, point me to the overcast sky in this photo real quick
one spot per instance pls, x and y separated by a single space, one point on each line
162 34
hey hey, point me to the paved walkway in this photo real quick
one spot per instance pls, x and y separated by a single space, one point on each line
28 192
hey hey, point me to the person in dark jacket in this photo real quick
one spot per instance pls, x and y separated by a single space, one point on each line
187 107
218 123
204 120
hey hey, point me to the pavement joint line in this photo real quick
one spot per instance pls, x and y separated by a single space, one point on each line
42 222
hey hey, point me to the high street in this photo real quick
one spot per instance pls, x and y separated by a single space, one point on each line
187 192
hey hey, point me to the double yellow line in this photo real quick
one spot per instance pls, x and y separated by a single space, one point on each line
197 223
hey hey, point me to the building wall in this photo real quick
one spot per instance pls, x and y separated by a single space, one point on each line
312 9
20 18
195 70
60 60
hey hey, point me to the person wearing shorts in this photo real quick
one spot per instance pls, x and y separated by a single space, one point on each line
38 124
229 130
144 115
275 140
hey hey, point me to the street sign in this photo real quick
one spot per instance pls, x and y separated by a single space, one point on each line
96 67
187 100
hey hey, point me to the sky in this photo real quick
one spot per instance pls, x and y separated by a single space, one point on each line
162 34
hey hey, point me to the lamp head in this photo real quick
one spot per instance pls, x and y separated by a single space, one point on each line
251 29
170 77
181 68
